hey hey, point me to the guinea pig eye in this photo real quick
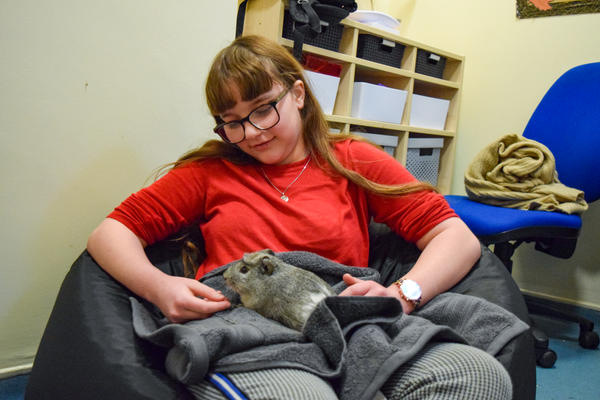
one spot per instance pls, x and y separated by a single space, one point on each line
244 269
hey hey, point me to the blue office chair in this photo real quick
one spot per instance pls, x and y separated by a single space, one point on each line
567 121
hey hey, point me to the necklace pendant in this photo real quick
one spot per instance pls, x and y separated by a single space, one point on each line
283 196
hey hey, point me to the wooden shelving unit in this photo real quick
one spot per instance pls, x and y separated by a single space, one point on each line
265 17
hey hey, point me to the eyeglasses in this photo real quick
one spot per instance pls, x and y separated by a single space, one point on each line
262 117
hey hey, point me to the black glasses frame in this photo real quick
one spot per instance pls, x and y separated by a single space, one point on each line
220 128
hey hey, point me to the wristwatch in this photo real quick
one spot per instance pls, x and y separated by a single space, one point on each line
409 290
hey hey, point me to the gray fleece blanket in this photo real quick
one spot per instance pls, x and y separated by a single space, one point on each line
354 342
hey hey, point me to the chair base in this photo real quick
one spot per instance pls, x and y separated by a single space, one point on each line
588 339
546 357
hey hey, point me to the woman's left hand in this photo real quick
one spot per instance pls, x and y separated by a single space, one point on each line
358 287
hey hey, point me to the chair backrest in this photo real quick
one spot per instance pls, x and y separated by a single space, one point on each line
567 121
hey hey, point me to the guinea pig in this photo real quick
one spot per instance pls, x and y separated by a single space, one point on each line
276 290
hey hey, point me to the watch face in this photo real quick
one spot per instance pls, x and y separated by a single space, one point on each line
411 289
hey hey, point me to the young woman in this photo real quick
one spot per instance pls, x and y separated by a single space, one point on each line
279 179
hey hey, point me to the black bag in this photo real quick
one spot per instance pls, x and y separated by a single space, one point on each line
307 16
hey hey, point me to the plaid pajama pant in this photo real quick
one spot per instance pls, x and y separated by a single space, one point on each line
441 371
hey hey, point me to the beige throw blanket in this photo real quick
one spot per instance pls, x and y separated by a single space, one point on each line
520 173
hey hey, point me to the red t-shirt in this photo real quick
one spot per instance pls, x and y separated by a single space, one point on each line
238 211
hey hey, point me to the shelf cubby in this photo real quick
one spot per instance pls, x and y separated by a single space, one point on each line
265 17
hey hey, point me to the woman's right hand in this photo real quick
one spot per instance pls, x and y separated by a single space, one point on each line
121 253
183 299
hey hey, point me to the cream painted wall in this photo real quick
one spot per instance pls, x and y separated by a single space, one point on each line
510 63
94 95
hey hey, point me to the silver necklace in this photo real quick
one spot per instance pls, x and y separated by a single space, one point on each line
283 196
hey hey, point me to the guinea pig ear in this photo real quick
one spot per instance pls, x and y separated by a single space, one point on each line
268 251
268 265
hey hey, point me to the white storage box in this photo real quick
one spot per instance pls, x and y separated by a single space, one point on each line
377 103
423 158
388 142
324 87
428 112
